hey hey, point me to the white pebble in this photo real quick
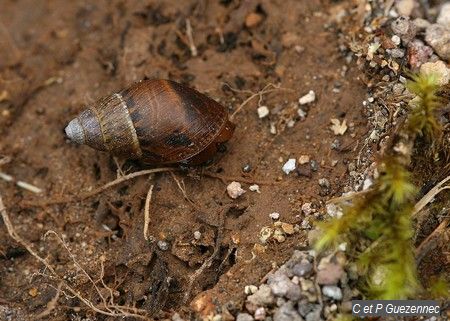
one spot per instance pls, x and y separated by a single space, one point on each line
308 98
274 216
289 166
197 235
263 111
163 245
396 40
235 190
254 188
306 208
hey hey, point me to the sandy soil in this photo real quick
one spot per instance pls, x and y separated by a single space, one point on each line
58 56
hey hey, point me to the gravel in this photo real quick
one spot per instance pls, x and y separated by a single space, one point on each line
332 292
244 317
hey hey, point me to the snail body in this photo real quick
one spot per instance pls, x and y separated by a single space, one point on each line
156 121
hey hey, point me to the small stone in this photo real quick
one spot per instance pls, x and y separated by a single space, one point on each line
253 19
163 245
176 317
282 286
247 168
438 69
306 208
367 183
396 53
265 234
235 190
396 40
289 166
329 274
302 269
304 159
250 289
262 297
307 285
263 111
279 236
315 314
421 24
418 53
274 216
197 235
333 210
308 98
444 15
405 7
314 165
260 313
325 183
403 27
287 228
287 313
304 170
332 292
254 188
244 317
438 37
301 113
397 89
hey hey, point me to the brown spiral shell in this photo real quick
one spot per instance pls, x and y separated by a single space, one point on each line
157 121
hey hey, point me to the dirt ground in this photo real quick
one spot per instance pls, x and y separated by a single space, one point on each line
58 56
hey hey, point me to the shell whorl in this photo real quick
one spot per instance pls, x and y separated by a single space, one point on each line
117 130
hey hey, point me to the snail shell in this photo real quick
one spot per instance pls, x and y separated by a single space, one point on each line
157 121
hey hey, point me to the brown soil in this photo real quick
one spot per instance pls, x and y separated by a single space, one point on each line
58 56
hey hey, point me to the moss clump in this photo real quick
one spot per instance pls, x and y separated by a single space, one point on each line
378 224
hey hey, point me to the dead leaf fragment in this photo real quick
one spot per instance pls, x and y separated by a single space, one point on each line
338 128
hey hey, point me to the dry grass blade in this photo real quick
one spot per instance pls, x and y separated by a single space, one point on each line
147 212
430 196
98 190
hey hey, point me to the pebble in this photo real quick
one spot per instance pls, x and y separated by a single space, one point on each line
405 7
279 236
163 245
235 190
403 27
274 216
262 297
244 317
176 317
308 98
444 15
287 312
396 53
265 234
303 268
250 289
314 165
260 314
439 69
421 24
307 285
396 40
333 292
282 286
333 210
438 37
263 111
418 53
306 208
329 274
247 168
367 183
289 166
397 89
287 228
315 314
254 188
197 235
325 183
303 159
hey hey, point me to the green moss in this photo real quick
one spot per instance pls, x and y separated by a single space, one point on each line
381 217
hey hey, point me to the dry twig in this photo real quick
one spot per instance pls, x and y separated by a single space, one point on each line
147 212
430 196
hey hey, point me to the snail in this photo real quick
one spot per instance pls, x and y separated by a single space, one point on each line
156 121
